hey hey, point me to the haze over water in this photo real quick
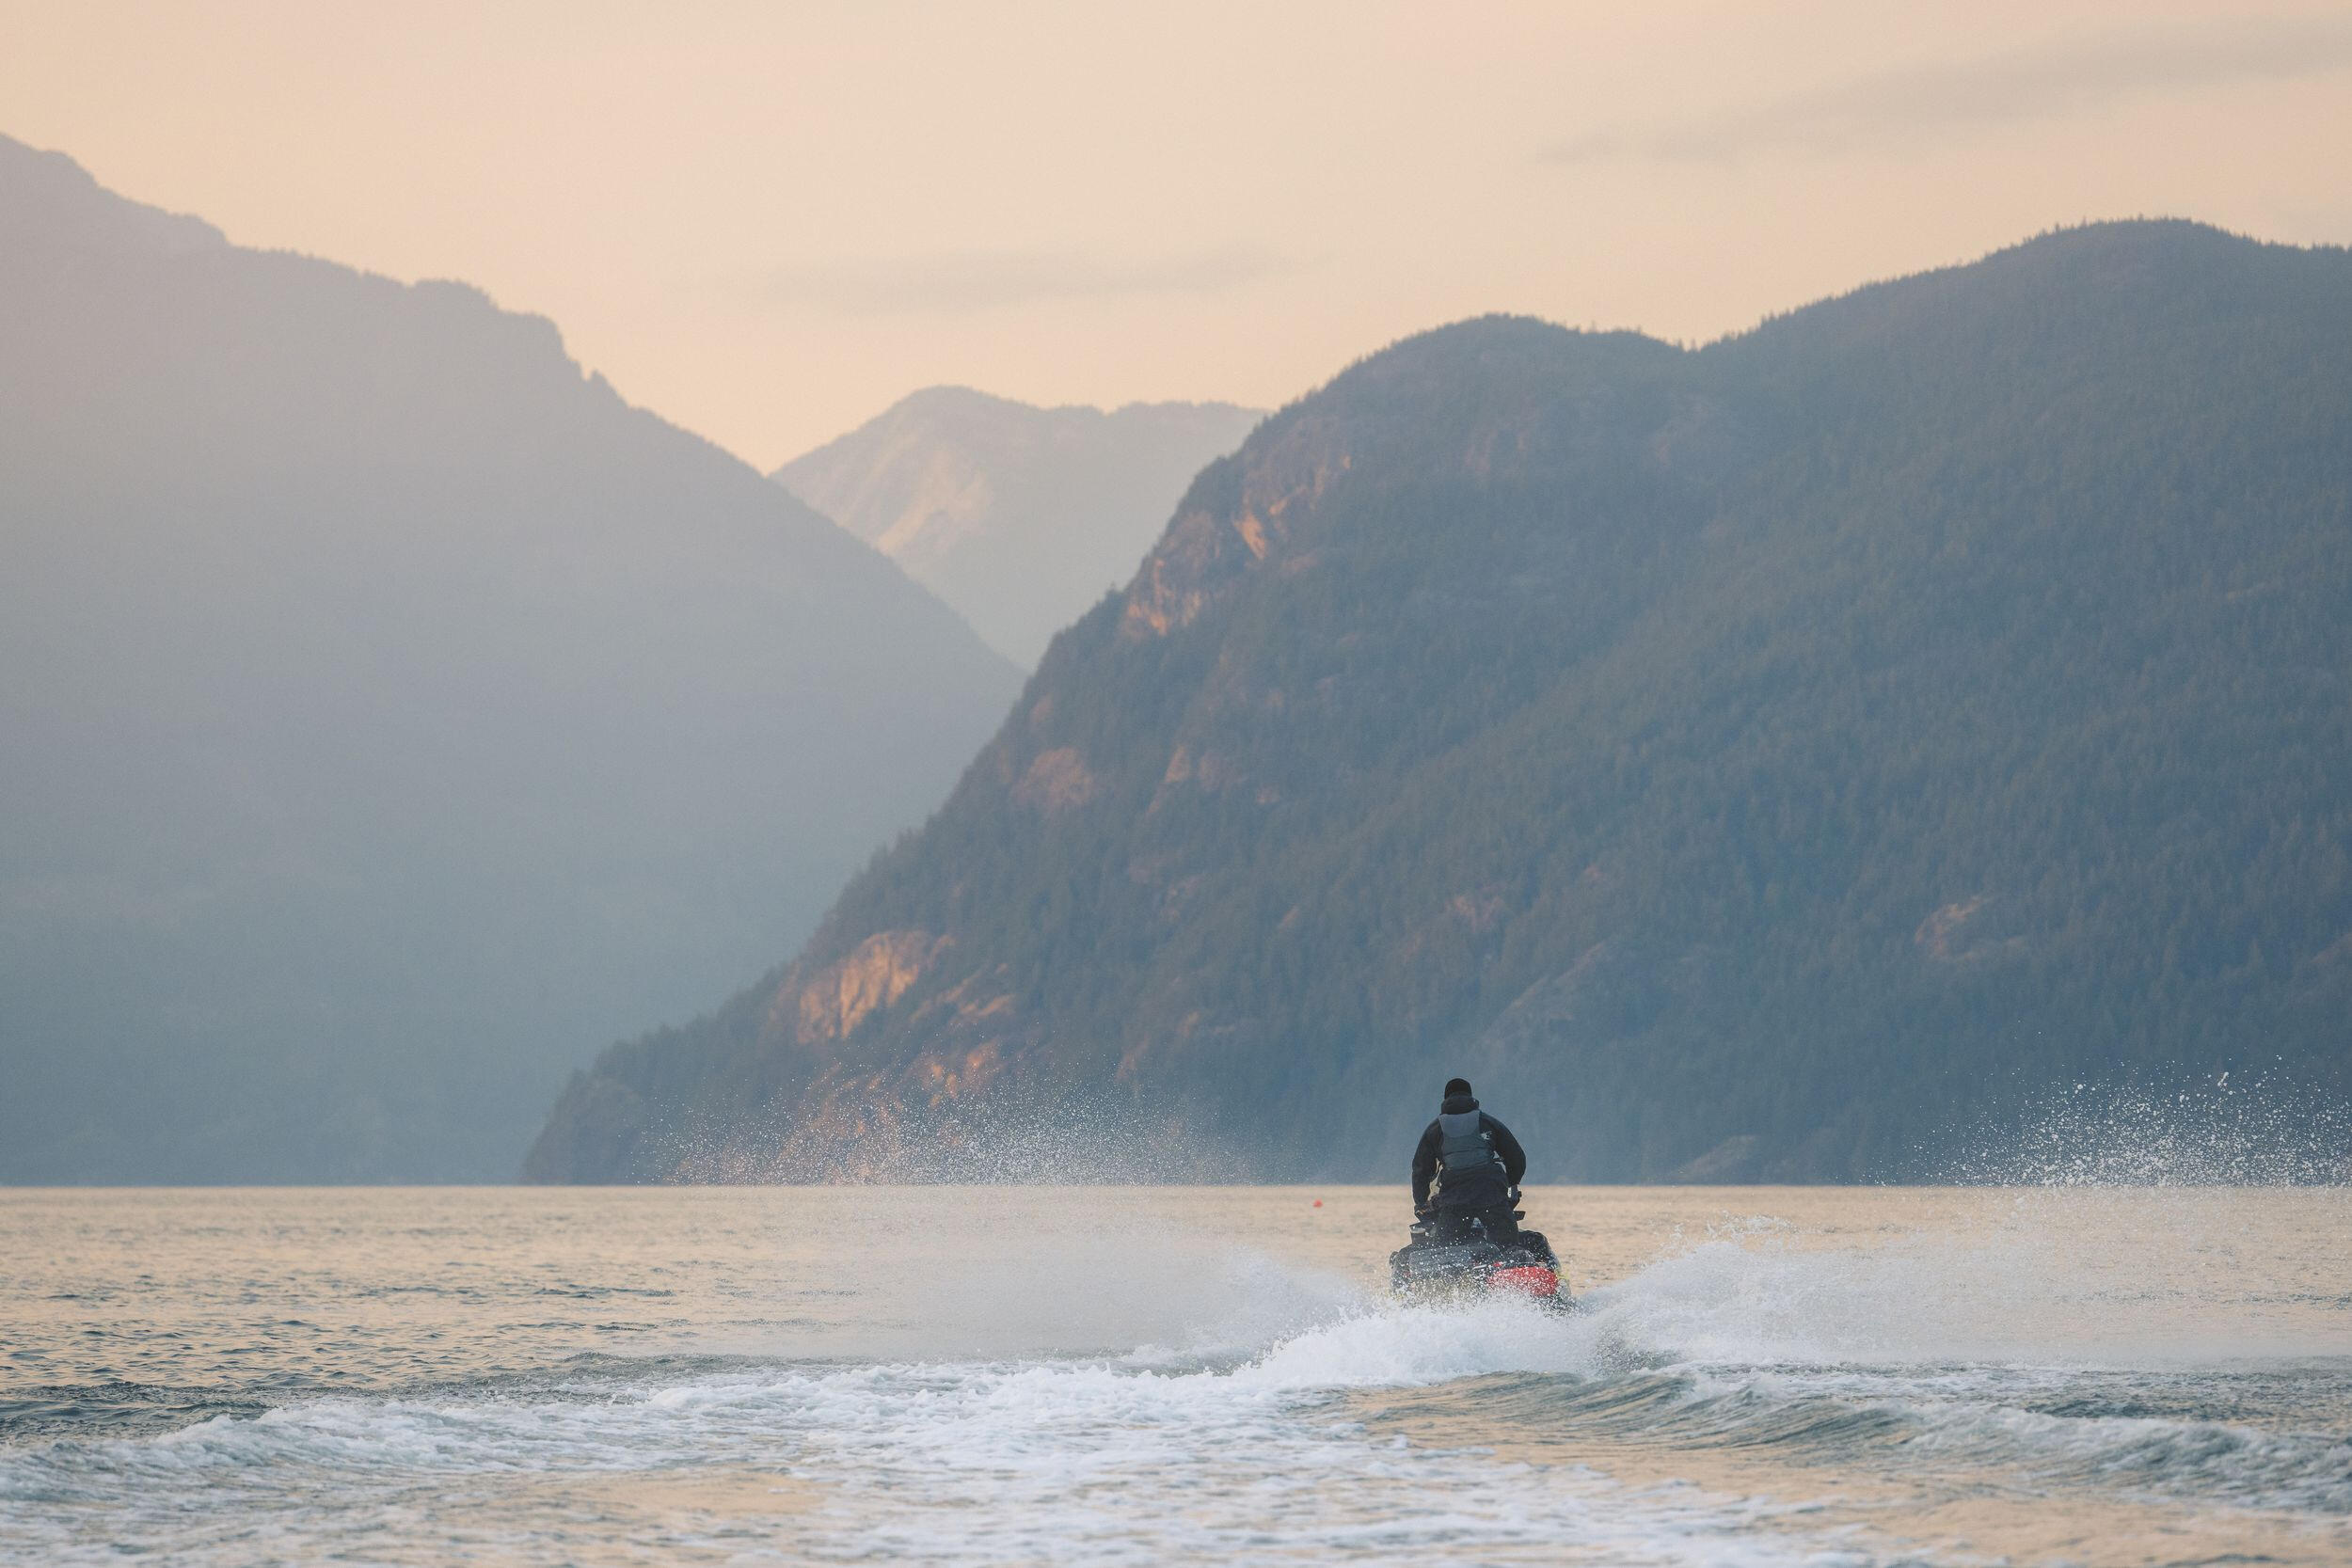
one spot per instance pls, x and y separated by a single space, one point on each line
1170 1375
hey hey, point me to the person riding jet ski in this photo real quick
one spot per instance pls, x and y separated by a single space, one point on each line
1475 1165
1467 1237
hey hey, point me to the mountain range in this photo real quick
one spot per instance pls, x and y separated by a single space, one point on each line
1020 517
1769 760
390 713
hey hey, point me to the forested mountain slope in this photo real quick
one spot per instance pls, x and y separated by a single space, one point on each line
389 713
1018 516
1750 762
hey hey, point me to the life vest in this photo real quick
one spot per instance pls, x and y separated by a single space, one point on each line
1471 1173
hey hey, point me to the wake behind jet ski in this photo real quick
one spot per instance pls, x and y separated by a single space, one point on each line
1467 1239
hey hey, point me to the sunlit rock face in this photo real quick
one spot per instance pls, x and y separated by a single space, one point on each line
391 715
1759 762
1020 517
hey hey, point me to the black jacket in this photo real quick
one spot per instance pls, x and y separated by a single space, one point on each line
1426 1156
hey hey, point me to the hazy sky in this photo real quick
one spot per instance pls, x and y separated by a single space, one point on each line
767 221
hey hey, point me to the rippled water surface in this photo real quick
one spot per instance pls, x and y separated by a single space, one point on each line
1757 1376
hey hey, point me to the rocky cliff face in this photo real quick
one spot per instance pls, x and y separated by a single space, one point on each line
1020 517
1751 761
389 713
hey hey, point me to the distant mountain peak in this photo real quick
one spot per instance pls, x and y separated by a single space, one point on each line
1019 516
956 398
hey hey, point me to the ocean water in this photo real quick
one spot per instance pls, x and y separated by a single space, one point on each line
1090 1375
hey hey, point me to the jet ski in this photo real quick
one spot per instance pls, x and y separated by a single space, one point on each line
1425 1270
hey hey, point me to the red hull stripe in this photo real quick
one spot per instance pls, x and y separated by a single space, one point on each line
1532 1281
